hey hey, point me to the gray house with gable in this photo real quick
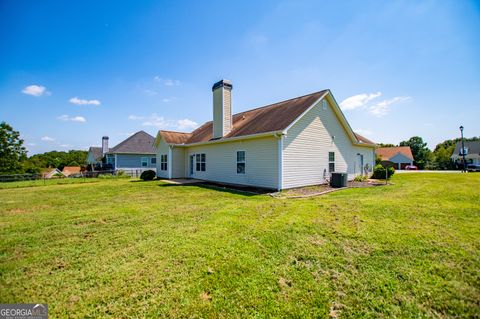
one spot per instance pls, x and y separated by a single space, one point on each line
137 152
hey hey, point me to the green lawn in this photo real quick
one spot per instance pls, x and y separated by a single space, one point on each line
123 248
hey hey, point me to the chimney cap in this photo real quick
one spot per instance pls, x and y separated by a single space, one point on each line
105 138
222 83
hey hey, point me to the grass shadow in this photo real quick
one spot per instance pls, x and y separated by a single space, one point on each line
232 189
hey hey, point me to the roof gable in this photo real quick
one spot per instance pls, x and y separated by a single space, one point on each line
473 147
139 143
96 153
386 153
277 117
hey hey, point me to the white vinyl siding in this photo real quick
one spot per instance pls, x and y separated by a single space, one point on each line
162 149
221 162
308 143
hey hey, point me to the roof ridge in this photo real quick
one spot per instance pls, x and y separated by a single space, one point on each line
272 104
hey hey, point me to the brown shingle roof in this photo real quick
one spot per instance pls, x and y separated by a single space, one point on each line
270 118
175 137
362 139
139 143
388 152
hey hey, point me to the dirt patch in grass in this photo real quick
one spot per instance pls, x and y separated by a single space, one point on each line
316 190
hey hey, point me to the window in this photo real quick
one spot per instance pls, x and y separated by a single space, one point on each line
163 162
144 161
324 104
201 160
153 160
331 162
240 162
464 151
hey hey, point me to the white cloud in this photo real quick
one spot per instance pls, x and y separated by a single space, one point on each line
162 123
150 92
31 144
167 82
77 101
35 90
168 99
359 100
135 117
363 131
47 139
65 118
65 145
186 124
382 108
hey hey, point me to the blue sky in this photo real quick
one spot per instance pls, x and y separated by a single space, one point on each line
71 72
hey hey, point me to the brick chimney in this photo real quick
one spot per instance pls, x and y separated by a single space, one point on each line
104 145
222 108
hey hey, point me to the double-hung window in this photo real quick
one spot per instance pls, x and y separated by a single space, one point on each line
240 162
144 161
163 162
200 162
331 162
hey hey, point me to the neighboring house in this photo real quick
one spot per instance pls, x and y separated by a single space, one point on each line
472 153
293 143
95 155
401 156
71 170
52 172
135 153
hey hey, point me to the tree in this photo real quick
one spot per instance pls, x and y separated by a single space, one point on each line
421 153
12 151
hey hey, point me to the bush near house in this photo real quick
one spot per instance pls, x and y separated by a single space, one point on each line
148 175
379 172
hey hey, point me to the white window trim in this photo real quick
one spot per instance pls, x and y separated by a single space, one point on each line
163 162
195 161
244 161
329 162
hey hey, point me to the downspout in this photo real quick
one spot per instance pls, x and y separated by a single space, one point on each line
170 161
280 160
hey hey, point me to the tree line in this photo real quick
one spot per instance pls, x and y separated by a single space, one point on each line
14 159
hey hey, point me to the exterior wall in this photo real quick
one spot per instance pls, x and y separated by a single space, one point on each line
218 112
400 159
133 161
307 144
178 163
221 166
162 149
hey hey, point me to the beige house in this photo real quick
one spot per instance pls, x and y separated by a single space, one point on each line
293 143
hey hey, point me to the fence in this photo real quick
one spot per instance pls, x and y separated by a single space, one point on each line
19 177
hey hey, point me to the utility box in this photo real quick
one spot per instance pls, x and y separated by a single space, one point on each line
339 180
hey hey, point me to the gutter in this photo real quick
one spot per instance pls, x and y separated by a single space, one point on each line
231 139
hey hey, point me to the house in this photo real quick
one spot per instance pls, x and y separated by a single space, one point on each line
135 153
71 170
288 144
400 156
472 153
51 172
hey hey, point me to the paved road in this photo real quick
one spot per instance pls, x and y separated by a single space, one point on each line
426 171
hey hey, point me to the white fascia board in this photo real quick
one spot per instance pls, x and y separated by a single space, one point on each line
231 139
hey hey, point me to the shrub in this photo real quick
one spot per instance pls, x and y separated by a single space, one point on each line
379 172
360 178
148 175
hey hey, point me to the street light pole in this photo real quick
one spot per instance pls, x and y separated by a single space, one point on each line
463 149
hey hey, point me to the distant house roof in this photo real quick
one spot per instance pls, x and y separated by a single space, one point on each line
386 153
473 148
69 170
96 152
271 118
139 143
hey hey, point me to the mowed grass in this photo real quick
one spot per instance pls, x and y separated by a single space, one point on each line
123 248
